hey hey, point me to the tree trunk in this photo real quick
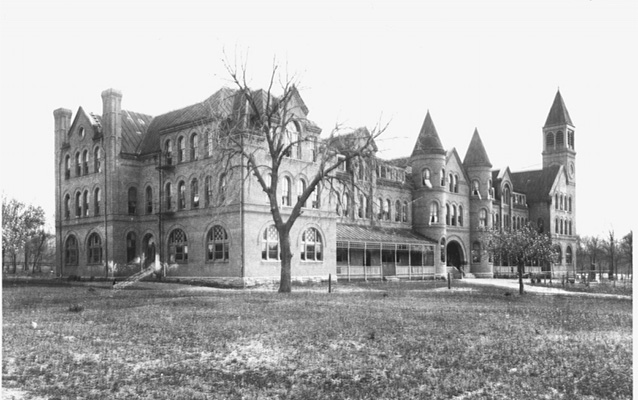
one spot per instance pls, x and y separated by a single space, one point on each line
286 257
521 266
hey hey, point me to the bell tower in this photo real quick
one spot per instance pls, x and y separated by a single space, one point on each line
559 138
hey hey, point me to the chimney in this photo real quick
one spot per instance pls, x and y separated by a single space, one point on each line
62 117
112 117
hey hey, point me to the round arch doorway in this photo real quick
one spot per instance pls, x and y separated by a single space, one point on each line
455 255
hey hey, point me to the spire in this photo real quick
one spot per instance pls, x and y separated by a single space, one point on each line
558 114
476 155
428 141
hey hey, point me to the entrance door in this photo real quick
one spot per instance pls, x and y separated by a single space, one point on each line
454 254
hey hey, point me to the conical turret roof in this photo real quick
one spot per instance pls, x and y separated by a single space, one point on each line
428 141
476 155
558 114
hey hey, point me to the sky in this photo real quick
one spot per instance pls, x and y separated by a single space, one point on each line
490 65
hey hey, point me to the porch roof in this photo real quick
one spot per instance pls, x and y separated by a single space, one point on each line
375 236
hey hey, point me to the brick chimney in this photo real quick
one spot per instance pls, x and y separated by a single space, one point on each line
112 120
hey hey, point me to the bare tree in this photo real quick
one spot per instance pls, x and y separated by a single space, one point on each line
626 249
257 140
611 245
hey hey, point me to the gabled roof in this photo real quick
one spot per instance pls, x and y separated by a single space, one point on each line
454 154
476 156
134 128
558 114
428 141
94 120
536 185
221 103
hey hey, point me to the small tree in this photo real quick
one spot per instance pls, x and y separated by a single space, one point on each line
521 246
627 252
257 141
20 223
611 245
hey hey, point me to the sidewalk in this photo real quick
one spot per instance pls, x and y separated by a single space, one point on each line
512 284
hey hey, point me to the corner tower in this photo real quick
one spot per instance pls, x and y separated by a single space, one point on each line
559 138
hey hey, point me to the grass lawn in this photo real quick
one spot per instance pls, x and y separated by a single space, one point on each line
379 341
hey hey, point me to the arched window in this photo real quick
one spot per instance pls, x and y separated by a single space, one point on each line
149 200
301 187
447 214
345 202
285 191
78 204
315 197
361 212
569 204
168 152
208 191
434 212
67 167
178 246
217 244
71 251
404 212
506 195
378 205
558 258
67 206
209 143
270 244
442 176
222 188
483 218
131 246
132 200
454 215
194 147
570 228
97 200
387 209
181 150
568 255
85 203
560 139
78 164
85 164
456 183
292 132
95 249
181 195
549 141
194 193
397 211
476 252
556 226
475 188
450 183
562 223
570 139
168 195
556 201
426 175
97 160
461 216
443 250
311 245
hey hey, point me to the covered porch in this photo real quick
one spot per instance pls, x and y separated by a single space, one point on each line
366 252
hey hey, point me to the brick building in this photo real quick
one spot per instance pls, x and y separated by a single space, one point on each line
132 189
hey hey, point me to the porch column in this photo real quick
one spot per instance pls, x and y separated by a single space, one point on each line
348 261
365 253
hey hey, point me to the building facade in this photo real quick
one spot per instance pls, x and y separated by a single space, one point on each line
134 190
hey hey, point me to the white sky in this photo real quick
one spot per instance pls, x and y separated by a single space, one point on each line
495 65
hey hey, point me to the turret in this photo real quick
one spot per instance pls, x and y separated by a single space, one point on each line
559 147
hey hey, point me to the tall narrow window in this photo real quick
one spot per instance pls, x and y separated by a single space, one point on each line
85 163
570 139
95 249
447 214
506 195
209 143
443 250
131 246
301 187
222 188
475 188
71 251
361 212
570 228
315 197
149 200
434 213
568 255
78 164
181 150
208 191
78 204
454 216
461 216
67 206
397 211
178 246
387 209
345 202
443 177
132 201
194 147
476 252
482 218
556 226
293 132
560 139
217 244
285 191
549 141
181 195
426 175
168 152
270 244
97 160
311 245
85 203
450 183
569 204
67 167
168 196
456 183
194 194
404 212
97 200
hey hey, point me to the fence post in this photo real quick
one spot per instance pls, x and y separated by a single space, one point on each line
329 283
449 282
